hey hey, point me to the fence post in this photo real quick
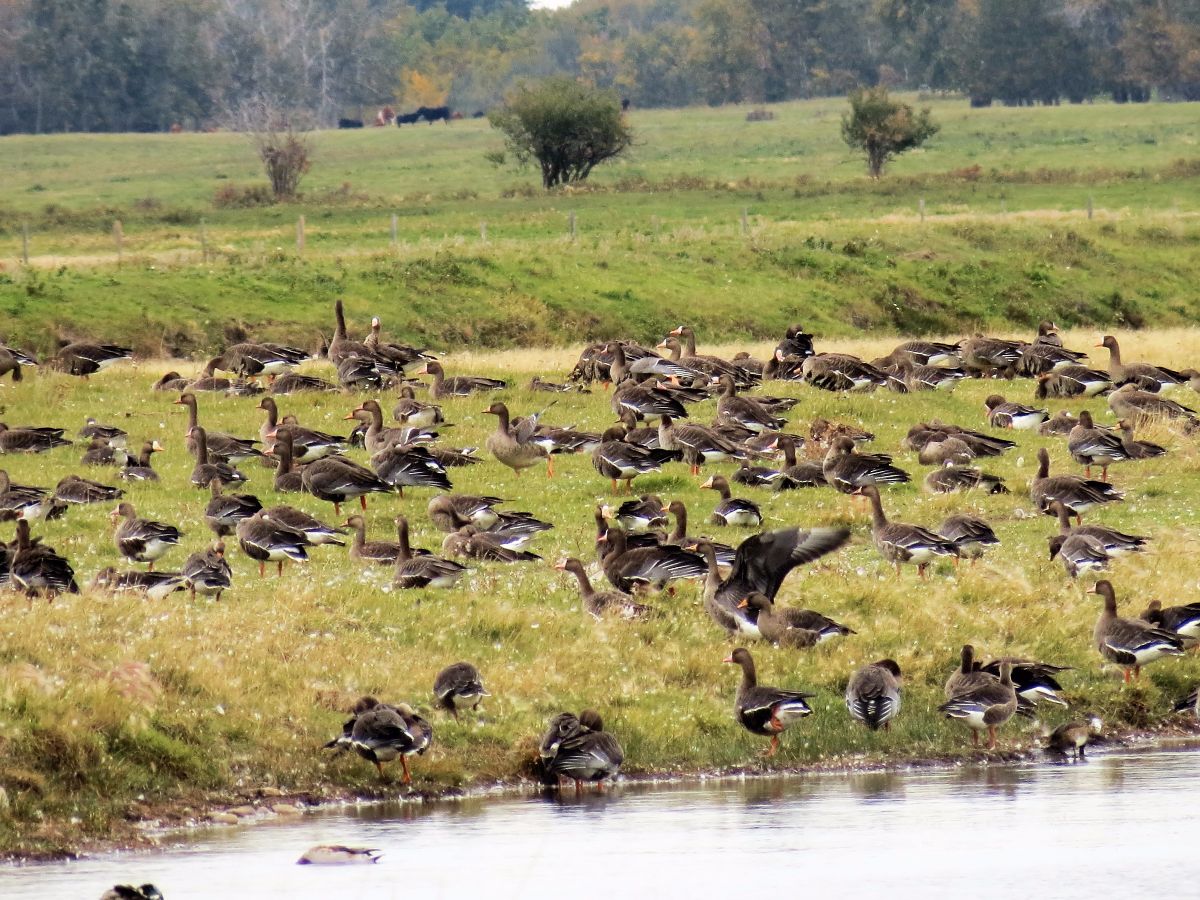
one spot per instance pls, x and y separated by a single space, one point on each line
25 243
483 232
571 221
118 238
395 229
1091 206
745 221
203 242
921 208
657 225
300 235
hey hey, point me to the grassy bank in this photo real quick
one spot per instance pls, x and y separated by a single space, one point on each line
113 707
1005 238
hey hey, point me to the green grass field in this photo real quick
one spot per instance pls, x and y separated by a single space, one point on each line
114 708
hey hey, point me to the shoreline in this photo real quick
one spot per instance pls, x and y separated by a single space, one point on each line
179 821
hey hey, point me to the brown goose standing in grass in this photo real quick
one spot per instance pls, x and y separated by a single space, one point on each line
85 359
410 411
948 479
224 511
515 448
207 469
142 540
744 411
265 540
221 447
1115 543
380 732
768 711
873 695
899 542
732 510
618 460
30 440
1142 375
313 529
381 553
1003 414
654 567
399 355
598 603
1131 643
142 470
458 686
73 489
986 356
458 385
928 353
1079 495
425 570
36 568
985 707
699 444
850 472
1091 446
969 534
208 572
1079 553
787 626
1182 620
337 480
288 479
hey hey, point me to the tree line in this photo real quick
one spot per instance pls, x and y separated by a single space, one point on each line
145 65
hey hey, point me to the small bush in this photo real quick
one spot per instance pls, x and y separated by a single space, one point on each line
760 115
243 196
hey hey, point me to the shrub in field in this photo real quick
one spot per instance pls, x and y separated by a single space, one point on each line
243 196
882 127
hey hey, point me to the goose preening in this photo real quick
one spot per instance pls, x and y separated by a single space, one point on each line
381 732
1131 643
142 540
970 535
873 694
458 686
208 572
580 749
768 711
984 707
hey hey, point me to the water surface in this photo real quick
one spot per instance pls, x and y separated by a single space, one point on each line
1125 821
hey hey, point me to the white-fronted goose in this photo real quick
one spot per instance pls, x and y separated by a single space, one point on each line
1181 620
1115 543
699 444
680 537
307 444
338 855
628 568
985 707
18 501
221 447
1134 448
209 381
377 437
873 694
101 453
760 565
921 377
337 480
470 542
111 433
1060 424
206 469
744 411
425 570
1143 408
1089 381
1072 737
36 568
361 373
849 471
293 383
969 535
618 460
1039 359
1035 682
251 360
514 447
1142 375
342 347
968 675
313 529
459 385
381 553
171 382
1091 446
787 626
899 542
449 512
410 411
1056 387
409 465
1079 495
399 355
945 449
77 490
458 686
983 355
142 470
764 710
928 353
155 585
981 444
208 572
598 603
85 359
142 540
796 342
645 401
761 476
732 510
579 749
379 733
948 479
1079 553
288 479
30 440
1131 643
1002 414
1048 334
9 363
264 541
797 475
681 344
224 511
842 372
645 513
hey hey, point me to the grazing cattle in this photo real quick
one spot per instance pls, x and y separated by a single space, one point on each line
385 116
408 119
432 113
624 104
478 114
350 123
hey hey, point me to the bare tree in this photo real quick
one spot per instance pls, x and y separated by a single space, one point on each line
282 140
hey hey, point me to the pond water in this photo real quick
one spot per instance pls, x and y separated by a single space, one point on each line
1124 822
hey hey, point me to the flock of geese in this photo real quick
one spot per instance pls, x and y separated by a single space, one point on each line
643 544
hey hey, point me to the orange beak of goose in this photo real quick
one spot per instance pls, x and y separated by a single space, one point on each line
727 659
745 602
707 484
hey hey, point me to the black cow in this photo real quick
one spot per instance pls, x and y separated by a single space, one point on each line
624 104
350 123
478 114
408 119
432 113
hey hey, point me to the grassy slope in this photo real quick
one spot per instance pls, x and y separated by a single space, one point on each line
241 693
825 243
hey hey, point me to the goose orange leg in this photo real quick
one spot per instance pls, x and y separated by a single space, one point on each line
362 499
991 737
549 466
407 774
279 569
